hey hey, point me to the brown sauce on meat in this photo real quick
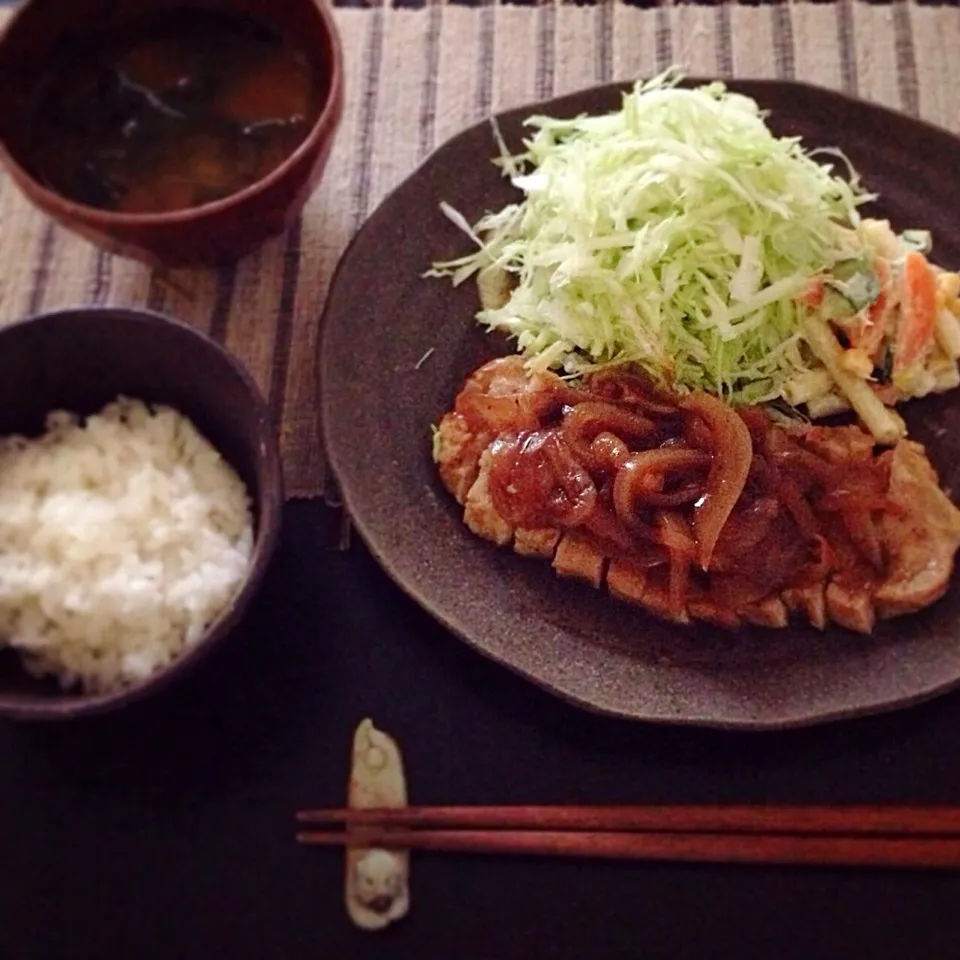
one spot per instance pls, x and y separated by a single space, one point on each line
694 510
721 508
171 113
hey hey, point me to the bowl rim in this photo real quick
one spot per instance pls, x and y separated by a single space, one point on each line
96 216
268 504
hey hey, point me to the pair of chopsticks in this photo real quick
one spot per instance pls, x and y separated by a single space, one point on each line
881 836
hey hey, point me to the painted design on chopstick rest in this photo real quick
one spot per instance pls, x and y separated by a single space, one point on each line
377 879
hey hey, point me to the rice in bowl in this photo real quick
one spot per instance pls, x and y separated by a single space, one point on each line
122 537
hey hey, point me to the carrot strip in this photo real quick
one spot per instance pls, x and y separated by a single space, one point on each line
811 295
919 311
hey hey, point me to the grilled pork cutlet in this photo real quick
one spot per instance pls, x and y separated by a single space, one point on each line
612 482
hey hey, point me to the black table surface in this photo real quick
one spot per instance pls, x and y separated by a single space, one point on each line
167 831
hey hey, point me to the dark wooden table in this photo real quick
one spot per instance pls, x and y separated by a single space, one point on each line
167 832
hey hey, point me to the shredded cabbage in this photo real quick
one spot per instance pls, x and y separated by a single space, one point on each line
674 234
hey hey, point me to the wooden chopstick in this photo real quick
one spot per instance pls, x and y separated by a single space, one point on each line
833 850
887 820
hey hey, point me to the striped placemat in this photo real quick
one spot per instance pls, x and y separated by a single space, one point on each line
418 74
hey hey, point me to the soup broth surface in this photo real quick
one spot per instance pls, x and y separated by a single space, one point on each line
172 112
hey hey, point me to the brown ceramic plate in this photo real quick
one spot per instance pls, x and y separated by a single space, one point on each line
378 405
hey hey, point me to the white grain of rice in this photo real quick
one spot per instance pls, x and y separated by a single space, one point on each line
121 538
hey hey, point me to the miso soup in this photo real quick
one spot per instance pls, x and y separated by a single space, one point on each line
172 112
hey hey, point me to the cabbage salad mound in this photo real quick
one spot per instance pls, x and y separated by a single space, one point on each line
681 237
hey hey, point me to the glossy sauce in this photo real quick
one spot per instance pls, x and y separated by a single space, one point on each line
172 113
650 479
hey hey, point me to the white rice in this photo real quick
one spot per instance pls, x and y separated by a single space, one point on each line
121 539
